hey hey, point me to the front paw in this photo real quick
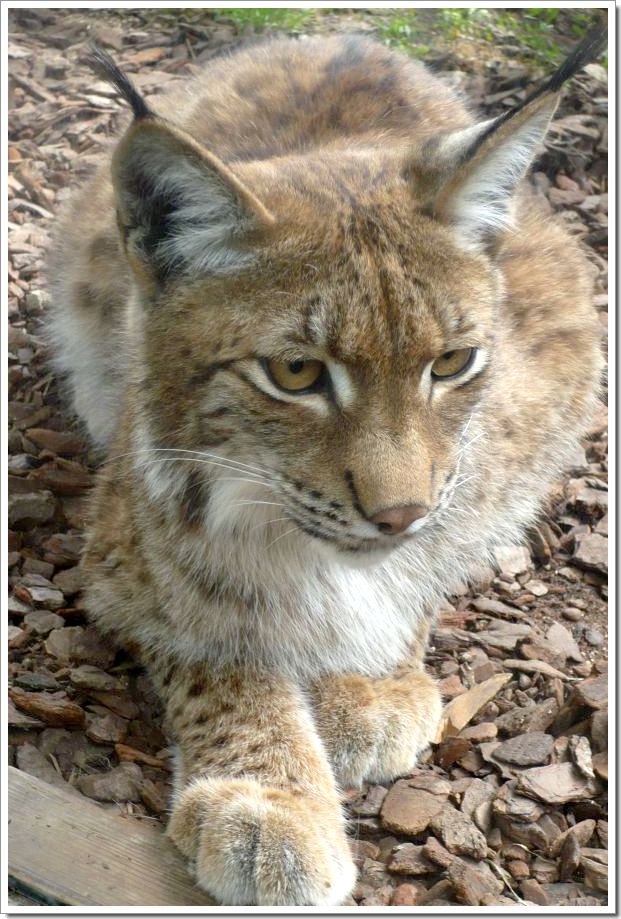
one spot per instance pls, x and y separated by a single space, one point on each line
258 846
374 731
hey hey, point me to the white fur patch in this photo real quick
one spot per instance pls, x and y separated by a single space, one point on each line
342 382
92 355
208 222
482 203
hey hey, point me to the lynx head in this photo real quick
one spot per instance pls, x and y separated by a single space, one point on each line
319 332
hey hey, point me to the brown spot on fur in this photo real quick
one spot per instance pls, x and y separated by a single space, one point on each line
195 498
205 373
169 675
197 688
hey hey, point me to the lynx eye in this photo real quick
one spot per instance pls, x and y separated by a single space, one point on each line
452 363
295 376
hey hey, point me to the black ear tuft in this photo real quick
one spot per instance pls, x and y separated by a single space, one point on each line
103 65
584 53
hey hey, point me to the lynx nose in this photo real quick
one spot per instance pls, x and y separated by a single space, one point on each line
394 520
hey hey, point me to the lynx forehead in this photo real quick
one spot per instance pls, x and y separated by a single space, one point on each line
335 353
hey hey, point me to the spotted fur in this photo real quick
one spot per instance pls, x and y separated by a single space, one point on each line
321 199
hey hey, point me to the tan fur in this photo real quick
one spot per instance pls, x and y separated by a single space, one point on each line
286 672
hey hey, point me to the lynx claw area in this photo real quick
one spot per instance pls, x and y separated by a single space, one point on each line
375 731
261 846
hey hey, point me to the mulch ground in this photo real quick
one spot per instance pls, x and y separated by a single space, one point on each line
510 803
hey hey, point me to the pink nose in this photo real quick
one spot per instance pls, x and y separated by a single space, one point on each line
394 520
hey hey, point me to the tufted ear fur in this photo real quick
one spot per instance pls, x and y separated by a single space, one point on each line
180 208
484 167
468 177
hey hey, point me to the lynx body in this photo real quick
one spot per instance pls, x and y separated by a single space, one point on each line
321 212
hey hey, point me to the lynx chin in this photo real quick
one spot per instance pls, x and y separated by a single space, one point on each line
333 352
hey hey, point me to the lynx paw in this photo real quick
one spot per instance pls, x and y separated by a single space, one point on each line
375 730
254 845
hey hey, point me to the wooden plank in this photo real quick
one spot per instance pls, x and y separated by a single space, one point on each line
69 852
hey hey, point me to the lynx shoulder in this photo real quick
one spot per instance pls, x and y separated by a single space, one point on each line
334 352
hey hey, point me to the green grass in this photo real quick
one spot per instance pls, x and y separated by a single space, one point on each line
400 31
534 29
286 20
417 32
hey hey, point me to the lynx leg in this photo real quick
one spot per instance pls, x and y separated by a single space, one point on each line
255 806
374 729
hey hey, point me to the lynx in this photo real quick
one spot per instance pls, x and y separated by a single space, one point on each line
334 352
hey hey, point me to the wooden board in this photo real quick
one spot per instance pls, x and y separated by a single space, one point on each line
69 852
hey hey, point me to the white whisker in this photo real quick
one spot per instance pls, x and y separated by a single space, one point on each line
199 453
282 535
203 462
252 503
267 523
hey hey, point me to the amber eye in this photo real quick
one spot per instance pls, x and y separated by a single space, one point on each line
452 363
295 376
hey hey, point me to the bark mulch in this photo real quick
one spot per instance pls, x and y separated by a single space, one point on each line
510 802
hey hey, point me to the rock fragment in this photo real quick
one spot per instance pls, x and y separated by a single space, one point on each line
458 833
529 749
533 891
42 622
154 796
120 784
558 783
538 716
579 750
583 832
37 681
406 895
435 852
409 811
593 692
512 560
17 637
591 552
53 709
484 731
409 859
46 595
570 858
594 863
106 727
473 882
32 761
461 710
35 507
86 676
70 581
429 781
562 640
18 719
81 645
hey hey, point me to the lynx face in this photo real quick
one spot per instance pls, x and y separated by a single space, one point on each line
346 379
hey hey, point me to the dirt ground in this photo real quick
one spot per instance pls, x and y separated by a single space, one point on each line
509 806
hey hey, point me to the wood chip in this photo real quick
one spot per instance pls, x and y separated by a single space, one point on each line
49 708
461 710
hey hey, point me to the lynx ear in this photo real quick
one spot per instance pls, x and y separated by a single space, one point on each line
480 167
469 176
180 209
